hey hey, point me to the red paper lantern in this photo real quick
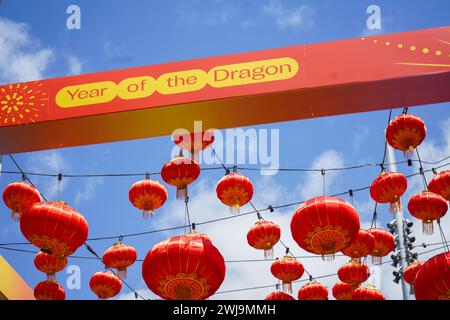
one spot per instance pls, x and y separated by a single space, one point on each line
277 295
427 206
354 273
325 225
54 227
194 142
49 290
433 279
184 268
361 246
49 264
313 291
180 172
342 291
405 132
105 284
120 256
147 195
367 293
263 236
440 184
388 188
287 269
234 190
384 244
19 196
411 271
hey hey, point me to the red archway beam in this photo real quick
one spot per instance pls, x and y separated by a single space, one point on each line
305 81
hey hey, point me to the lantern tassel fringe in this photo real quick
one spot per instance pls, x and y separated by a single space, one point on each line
377 260
268 254
122 273
51 277
15 215
181 193
427 227
235 209
395 207
147 213
287 287
328 257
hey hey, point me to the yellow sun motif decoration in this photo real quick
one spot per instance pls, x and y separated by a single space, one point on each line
21 103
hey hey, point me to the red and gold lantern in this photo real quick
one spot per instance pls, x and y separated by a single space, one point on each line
105 284
325 225
49 264
49 290
287 269
342 291
313 291
234 190
440 184
194 142
19 196
147 195
180 172
263 236
411 271
367 293
405 132
384 244
120 256
354 273
388 188
428 207
361 246
433 279
54 227
277 295
184 268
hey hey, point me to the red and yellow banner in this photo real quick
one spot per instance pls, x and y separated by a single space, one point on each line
305 81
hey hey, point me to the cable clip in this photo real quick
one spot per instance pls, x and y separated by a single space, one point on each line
24 176
193 226
258 215
287 251
434 171
60 176
350 192
311 278
271 209
120 238
235 168
322 171
147 175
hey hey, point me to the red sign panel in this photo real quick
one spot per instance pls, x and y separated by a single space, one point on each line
304 81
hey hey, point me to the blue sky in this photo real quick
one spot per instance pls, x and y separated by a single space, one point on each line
119 34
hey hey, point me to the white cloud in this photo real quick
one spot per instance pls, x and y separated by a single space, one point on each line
21 57
48 162
218 12
313 181
299 18
75 65
87 192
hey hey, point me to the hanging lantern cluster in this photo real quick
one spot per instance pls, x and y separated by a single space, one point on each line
19 197
194 142
343 291
410 273
49 264
428 207
263 236
186 267
287 269
234 190
384 244
49 290
120 256
367 293
405 132
325 226
147 195
388 188
54 227
105 284
361 246
432 281
440 184
278 295
313 291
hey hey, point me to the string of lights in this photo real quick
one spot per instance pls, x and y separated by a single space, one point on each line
269 208
142 174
